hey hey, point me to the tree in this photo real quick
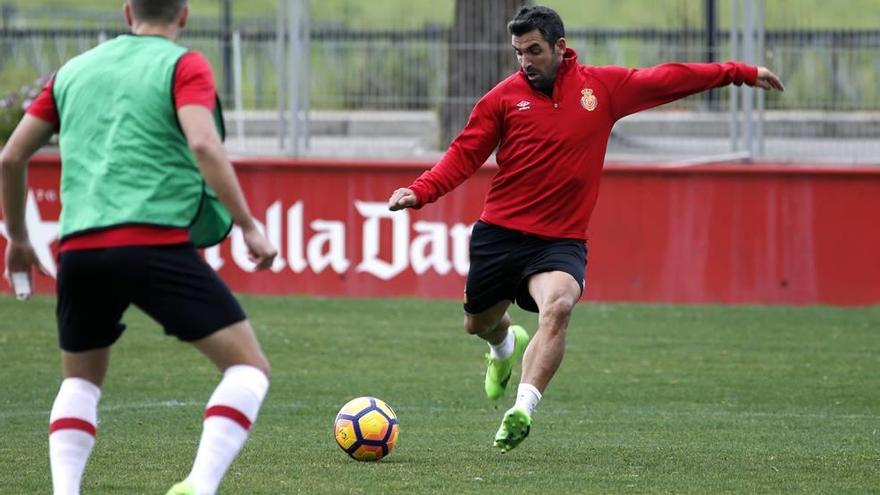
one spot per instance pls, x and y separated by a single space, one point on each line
479 58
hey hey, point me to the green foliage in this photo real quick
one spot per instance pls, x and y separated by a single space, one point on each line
649 399
826 14
13 106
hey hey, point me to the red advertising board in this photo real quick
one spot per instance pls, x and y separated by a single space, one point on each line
730 234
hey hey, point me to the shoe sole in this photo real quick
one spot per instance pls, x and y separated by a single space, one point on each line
517 428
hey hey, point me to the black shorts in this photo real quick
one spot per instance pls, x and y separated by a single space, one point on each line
502 260
171 284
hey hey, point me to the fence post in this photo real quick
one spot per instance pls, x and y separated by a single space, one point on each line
711 13
748 93
747 42
226 40
734 94
305 57
761 61
239 103
297 73
281 66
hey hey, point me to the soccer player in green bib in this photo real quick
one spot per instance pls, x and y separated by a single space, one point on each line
145 181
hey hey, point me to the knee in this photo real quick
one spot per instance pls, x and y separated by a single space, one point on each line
473 327
558 310
478 326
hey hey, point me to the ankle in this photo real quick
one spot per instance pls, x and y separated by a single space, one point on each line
504 349
527 398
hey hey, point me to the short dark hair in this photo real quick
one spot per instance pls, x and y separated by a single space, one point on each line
156 10
544 19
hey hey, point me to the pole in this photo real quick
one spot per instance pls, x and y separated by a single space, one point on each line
748 92
734 91
239 100
227 50
711 11
293 89
762 32
304 73
281 67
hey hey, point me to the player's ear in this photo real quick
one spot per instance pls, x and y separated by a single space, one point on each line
126 10
184 16
560 46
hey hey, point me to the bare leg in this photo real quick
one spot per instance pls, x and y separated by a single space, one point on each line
74 418
89 365
235 344
490 325
556 293
233 406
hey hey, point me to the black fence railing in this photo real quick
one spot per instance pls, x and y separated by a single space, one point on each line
861 38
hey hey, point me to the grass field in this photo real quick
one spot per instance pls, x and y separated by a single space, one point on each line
650 399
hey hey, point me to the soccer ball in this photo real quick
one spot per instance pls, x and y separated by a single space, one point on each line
366 429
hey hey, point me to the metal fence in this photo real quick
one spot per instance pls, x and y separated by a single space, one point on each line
376 92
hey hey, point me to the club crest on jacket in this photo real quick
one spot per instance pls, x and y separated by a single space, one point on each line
588 100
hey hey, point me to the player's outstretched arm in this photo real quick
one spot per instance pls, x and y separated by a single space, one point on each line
634 90
402 198
197 123
30 135
768 80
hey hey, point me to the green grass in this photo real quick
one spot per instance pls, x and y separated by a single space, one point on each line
650 399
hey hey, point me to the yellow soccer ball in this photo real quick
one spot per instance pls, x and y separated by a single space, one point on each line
366 428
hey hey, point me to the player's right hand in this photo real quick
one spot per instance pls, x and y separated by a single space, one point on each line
260 250
21 258
402 198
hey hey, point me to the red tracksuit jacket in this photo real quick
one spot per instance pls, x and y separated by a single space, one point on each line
551 150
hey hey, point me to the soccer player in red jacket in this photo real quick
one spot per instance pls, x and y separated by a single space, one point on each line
550 123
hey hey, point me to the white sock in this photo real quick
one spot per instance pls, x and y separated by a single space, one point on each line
527 397
72 429
504 349
230 412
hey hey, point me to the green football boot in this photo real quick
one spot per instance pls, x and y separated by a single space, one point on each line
498 370
182 488
514 429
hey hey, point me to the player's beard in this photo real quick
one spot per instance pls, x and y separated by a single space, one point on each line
542 84
545 80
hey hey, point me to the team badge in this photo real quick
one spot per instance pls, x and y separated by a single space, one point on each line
589 100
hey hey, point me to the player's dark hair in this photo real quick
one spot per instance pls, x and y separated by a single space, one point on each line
165 11
544 19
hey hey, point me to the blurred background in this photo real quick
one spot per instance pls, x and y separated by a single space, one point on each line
390 79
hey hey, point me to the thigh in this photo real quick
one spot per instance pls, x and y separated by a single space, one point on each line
564 256
94 288
545 288
493 275
233 345
185 295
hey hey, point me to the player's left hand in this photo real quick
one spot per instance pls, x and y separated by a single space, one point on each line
768 80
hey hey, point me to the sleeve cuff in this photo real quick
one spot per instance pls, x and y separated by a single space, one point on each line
420 194
751 74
